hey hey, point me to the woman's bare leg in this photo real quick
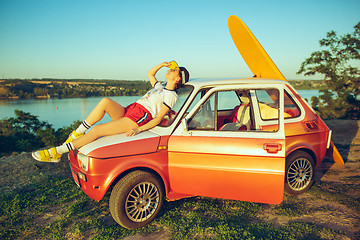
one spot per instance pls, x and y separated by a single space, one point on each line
118 126
106 105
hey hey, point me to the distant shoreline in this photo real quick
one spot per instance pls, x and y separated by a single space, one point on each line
11 89
70 88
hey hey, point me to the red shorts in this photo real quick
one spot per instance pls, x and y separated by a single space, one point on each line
137 113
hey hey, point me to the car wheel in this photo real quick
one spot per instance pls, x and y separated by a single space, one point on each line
299 173
136 199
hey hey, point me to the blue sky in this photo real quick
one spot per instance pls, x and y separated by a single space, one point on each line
124 39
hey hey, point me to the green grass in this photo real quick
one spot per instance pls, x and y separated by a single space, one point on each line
292 207
53 207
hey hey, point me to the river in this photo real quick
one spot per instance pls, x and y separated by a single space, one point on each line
63 112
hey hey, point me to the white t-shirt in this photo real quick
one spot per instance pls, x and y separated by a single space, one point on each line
156 97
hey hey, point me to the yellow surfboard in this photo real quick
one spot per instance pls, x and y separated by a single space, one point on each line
251 50
261 64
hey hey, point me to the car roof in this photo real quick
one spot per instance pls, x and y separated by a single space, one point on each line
198 82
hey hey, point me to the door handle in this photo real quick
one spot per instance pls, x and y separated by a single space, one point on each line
272 147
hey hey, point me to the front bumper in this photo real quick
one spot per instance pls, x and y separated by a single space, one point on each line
75 176
89 184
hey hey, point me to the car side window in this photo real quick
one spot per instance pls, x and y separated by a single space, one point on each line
292 110
216 111
227 100
268 100
268 105
233 111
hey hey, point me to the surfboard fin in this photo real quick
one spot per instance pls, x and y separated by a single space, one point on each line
334 154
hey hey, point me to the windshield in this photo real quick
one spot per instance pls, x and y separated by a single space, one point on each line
183 94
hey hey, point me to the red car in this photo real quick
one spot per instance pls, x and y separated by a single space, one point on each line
242 139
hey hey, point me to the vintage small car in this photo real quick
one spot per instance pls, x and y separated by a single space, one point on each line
243 139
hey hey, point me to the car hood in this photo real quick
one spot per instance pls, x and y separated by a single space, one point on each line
120 145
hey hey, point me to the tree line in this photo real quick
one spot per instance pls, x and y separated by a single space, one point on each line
34 88
337 62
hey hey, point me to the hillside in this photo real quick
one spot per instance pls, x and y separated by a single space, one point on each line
40 201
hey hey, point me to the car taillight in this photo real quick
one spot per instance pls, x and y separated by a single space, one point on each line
310 126
83 161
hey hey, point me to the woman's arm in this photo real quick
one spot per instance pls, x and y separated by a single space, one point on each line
152 123
152 72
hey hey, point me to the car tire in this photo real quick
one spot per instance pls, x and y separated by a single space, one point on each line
299 173
136 199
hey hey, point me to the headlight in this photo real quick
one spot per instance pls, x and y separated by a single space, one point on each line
83 161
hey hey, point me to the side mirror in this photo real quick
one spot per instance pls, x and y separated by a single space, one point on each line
184 124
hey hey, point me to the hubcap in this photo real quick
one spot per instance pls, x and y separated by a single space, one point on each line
299 174
142 201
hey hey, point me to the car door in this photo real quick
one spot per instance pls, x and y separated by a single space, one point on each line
229 162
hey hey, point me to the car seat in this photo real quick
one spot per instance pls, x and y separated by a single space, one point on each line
241 114
240 117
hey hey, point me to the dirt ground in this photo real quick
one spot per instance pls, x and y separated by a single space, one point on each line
321 209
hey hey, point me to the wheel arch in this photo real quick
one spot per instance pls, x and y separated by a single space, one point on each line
307 150
145 169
